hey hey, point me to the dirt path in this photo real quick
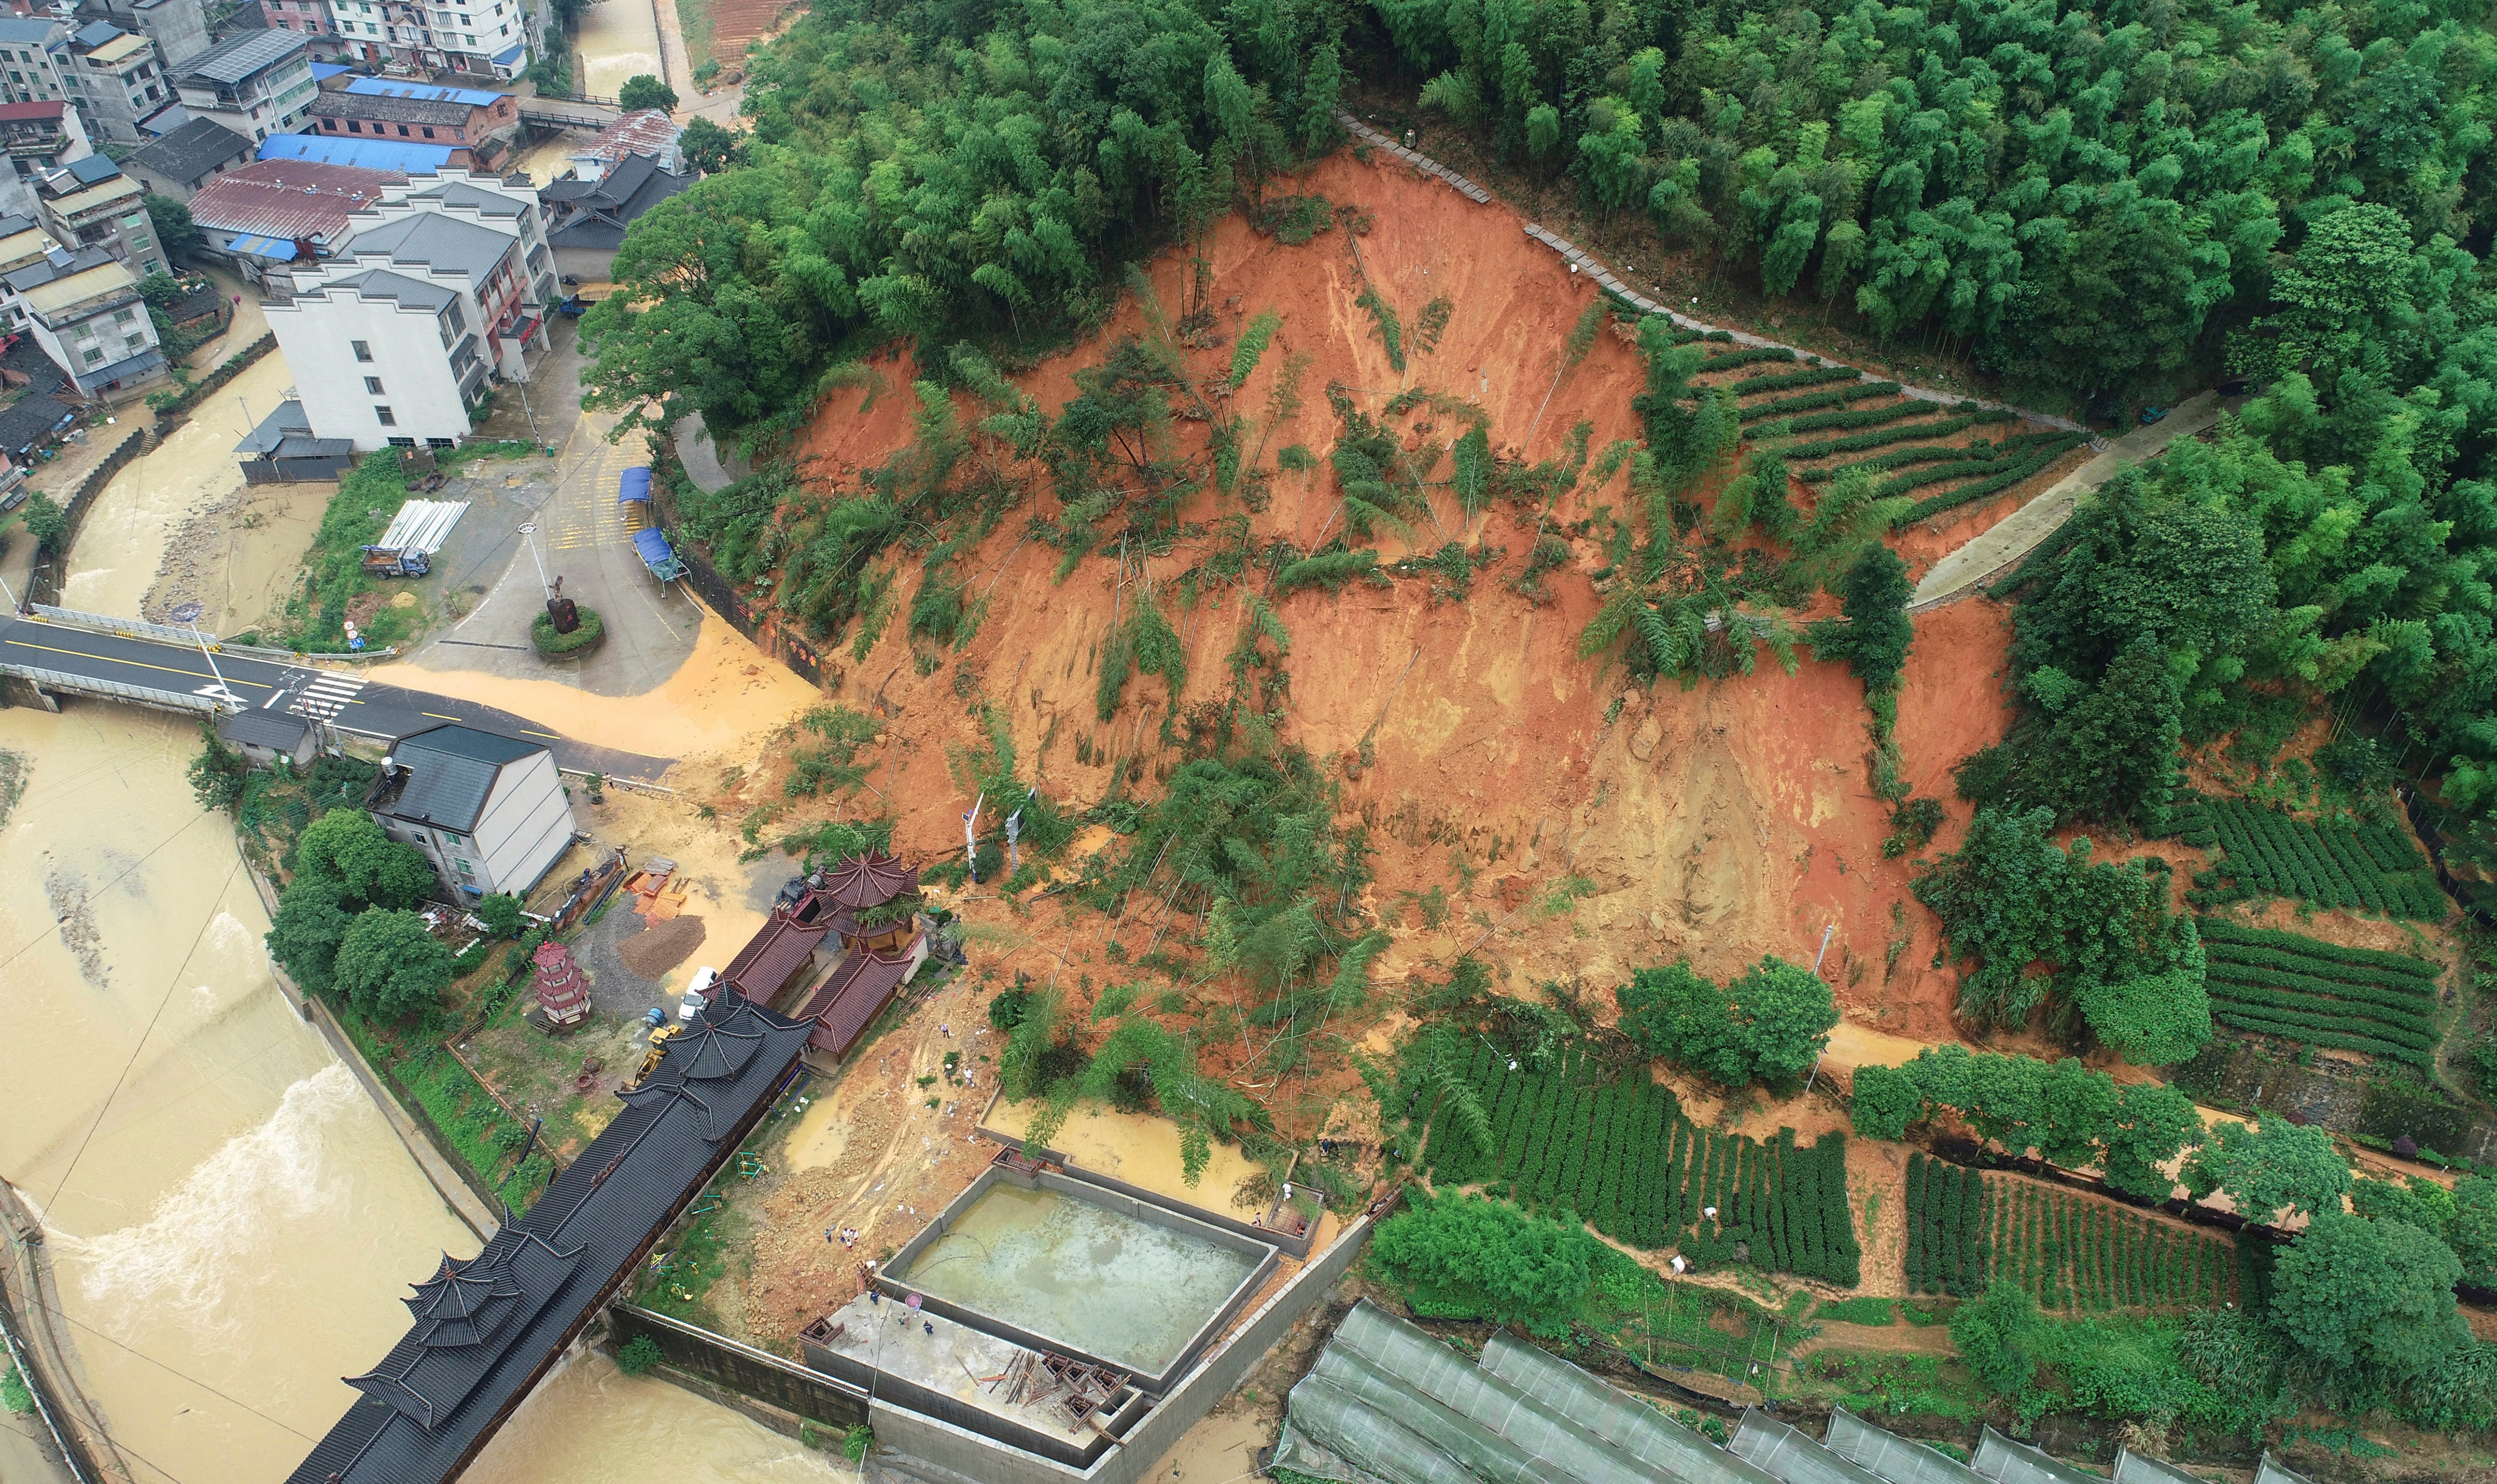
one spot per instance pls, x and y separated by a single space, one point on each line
2017 534
1894 1338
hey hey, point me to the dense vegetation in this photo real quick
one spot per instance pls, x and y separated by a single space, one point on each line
2011 900
2069 1114
2071 1252
1767 1025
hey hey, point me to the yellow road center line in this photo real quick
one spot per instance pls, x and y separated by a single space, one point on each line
137 664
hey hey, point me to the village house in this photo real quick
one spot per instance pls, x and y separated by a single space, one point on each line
272 217
488 811
382 108
183 161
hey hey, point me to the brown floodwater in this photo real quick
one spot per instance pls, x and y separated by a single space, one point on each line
231 1220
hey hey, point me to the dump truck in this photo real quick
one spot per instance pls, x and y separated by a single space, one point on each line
396 561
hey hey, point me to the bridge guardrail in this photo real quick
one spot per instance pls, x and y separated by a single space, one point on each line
136 695
126 628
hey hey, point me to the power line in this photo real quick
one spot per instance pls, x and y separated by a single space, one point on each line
171 984
54 930
168 1370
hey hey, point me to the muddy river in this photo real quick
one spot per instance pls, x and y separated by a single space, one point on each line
232 1222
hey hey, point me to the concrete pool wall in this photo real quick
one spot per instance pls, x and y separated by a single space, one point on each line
1262 1258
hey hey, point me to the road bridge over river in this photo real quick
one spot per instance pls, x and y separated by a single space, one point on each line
62 651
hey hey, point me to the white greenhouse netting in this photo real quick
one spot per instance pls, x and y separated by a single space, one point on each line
2005 1462
2270 1472
2133 1467
1791 1456
1388 1403
1653 1439
1894 1459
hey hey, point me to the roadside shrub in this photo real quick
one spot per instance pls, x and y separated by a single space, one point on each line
591 632
639 1356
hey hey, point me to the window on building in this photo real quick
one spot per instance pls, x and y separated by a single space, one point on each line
124 316
151 266
383 414
439 443
403 443
363 349
374 386
402 130
134 344
428 134
94 356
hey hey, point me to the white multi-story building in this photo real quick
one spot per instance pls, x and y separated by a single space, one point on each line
443 287
255 82
482 37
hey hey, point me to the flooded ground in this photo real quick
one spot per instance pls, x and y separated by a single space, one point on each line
1127 1290
618 39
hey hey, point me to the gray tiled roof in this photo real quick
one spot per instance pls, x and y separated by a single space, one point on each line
242 55
380 283
460 192
451 771
402 111
432 241
282 730
485 1330
192 150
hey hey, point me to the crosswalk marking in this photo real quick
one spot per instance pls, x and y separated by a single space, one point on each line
327 695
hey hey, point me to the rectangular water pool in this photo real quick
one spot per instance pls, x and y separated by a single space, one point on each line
1078 1270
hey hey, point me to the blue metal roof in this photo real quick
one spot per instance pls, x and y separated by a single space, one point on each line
392 87
279 249
408 159
322 72
507 58
635 485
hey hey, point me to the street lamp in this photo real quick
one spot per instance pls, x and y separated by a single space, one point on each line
529 528
188 615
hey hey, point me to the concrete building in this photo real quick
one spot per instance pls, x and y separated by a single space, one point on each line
310 18
381 108
90 204
84 310
27 70
118 80
488 811
408 157
646 132
282 451
179 28
255 82
443 285
42 137
590 216
183 161
480 37
263 737
273 217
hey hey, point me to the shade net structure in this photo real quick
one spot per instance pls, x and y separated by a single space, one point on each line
1665 1447
1388 1403
1893 1459
2005 1462
2133 1467
1791 1456
2270 1472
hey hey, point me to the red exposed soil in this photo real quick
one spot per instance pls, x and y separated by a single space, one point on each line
1722 822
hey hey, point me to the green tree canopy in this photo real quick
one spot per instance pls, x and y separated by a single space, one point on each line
1464 1257
2372 1301
1768 1025
2271 1167
376 871
2474 1229
645 91
304 933
707 146
390 965
1884 1101
2027 918
1874 635
174 228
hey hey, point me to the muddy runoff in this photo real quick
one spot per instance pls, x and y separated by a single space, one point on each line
231 1223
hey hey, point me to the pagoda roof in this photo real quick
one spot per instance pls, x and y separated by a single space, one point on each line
486 1330
869 880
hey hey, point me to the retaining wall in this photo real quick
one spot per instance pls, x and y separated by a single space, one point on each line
736 1367
958 1452
47 585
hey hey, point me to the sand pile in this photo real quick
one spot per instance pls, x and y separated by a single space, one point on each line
661 946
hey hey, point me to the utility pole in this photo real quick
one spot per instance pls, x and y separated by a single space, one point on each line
189 615
529 528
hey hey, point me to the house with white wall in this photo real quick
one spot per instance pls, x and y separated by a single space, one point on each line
489 811
443 287
255 82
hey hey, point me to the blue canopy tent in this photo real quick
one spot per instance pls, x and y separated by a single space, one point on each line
635 485
659 556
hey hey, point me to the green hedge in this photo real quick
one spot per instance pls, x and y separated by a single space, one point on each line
2074 1253
1620 1156
2331 865
1788 381
591 631
1852 417
1745 354
2222 930
2338 1040
1809 400
2356 1016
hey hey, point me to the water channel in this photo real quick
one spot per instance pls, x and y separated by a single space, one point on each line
231 1221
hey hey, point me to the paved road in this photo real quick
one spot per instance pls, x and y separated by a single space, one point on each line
341 698
2005 543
